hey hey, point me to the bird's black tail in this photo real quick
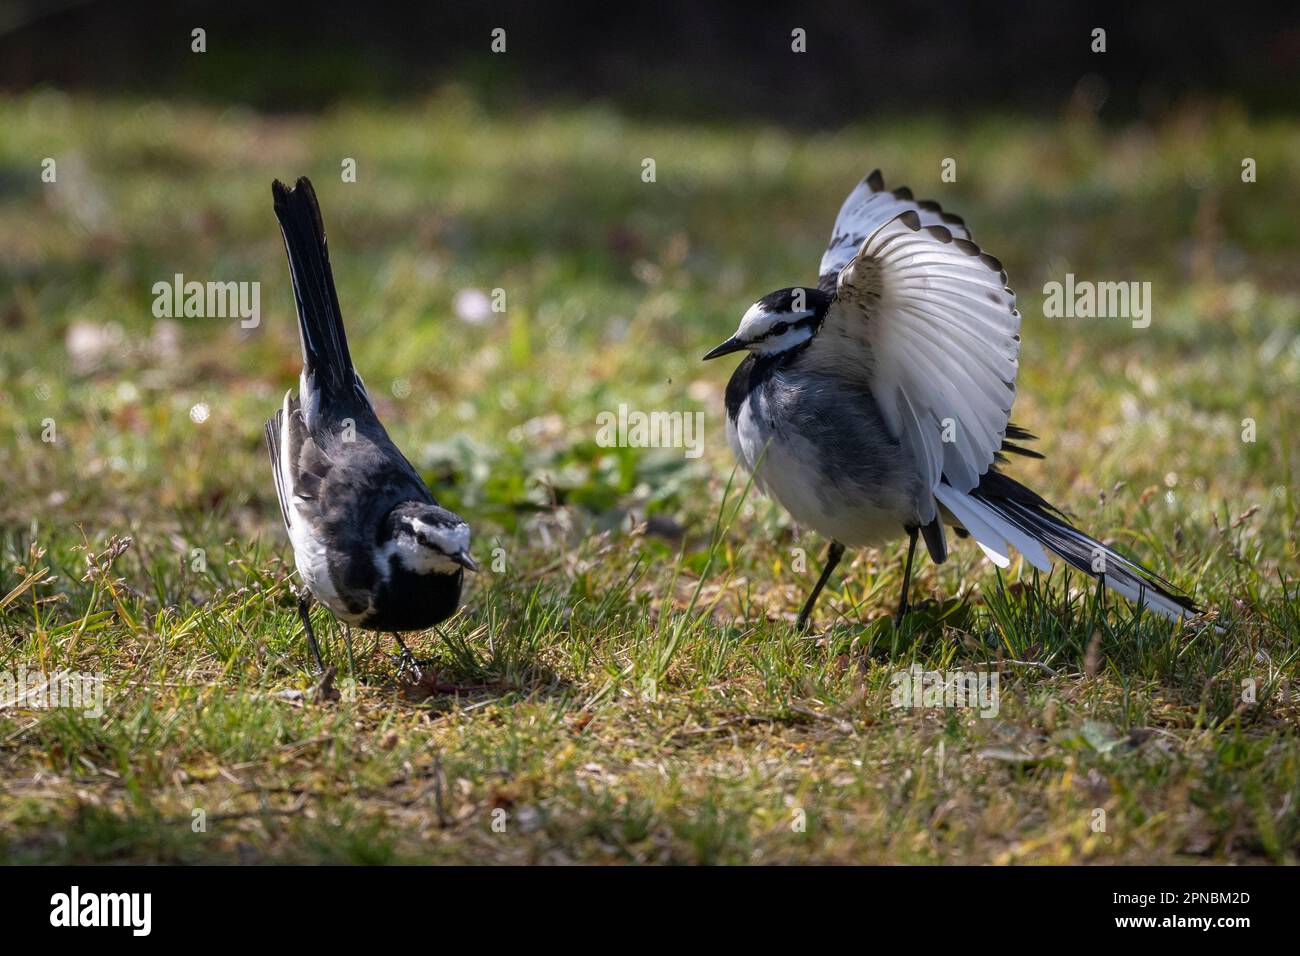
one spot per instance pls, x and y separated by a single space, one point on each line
326 360
1031 515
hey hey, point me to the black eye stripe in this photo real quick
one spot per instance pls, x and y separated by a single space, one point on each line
783 327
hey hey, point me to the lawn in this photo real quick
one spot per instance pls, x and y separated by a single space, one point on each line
633 689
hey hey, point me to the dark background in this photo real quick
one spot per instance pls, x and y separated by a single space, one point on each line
681 58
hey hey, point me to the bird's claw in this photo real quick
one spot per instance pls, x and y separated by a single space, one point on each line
408 664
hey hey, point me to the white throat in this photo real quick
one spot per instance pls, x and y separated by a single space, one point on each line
421 559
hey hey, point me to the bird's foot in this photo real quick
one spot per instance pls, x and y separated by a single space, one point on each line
405 662
409 666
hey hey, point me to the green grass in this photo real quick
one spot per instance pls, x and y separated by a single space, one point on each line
643 694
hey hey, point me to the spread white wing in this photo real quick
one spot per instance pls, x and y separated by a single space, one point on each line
868 208
924 319
929 314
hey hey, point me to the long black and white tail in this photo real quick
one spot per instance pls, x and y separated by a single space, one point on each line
327 365
1002 512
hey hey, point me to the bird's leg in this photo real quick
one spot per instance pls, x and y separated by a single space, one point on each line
406 660
832 559
303 605
347 640
907 576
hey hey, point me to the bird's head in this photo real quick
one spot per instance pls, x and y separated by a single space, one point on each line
778 322
427 539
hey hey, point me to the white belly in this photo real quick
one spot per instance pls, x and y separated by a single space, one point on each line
787 472
309 556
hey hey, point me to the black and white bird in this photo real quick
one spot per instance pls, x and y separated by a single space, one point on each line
369 540
879 402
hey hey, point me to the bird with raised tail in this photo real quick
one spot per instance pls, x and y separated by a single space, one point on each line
879 402
369 540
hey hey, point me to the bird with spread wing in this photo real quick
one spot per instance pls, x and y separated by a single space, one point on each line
879 401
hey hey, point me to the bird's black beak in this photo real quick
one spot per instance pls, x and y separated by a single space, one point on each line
726 348
465 561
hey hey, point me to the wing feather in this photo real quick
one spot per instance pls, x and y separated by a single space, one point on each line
868 207
273 447
927 315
